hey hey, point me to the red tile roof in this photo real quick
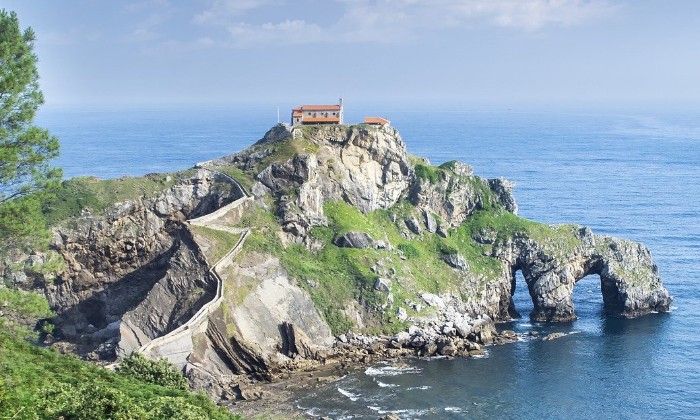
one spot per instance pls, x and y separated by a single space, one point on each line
377 120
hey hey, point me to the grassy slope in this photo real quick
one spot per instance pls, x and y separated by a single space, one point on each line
35 381
334 276
221 241
97 194
29 373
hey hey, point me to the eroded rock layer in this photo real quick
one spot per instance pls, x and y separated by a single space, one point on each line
139 271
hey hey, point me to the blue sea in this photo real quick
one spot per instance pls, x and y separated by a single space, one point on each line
628 173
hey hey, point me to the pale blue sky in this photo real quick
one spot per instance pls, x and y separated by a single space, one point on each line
473 52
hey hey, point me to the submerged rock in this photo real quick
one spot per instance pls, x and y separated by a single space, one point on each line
553 336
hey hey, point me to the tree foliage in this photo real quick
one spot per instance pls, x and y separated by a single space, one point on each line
40 384
25 149
160 372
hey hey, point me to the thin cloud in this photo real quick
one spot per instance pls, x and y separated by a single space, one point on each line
536 14
394 21
287 32
219 11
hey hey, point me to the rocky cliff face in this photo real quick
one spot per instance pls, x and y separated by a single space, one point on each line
368 168
454 193
629 280
134 268
432 247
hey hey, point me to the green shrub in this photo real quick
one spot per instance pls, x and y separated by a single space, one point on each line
160 372
409 250
430 173
25 304
37 384
87 401
177 408
449 165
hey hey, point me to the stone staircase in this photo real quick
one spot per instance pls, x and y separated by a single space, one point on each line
178 344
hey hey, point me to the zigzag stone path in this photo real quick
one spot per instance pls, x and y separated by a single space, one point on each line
178 344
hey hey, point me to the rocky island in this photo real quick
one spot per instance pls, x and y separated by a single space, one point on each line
318 244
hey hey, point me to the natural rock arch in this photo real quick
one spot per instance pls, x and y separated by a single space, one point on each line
552 293
630 283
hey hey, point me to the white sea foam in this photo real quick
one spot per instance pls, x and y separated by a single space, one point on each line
313 412
405 412
385 385
453 409
421 388
353 397
390 370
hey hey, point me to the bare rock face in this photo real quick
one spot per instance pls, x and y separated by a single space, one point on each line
414 226
456 194
456 261
265 323
366 167
135 269
431 224
503 189
359 240
630 282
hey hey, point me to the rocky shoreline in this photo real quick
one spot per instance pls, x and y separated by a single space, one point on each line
339 233
353 353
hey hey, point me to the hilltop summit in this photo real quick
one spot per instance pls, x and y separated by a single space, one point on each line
317 243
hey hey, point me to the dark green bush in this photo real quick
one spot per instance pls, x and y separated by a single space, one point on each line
160 372
409 251
87 401
430 173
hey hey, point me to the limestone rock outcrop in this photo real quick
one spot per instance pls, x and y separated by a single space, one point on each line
365 167
454 194
359 240
138 272
135 269
368 168
630 283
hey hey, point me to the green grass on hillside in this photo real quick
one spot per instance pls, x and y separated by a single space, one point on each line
38 383
334 276
97 194
341 274
432 174
221 241
503 225
24 304
281 151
